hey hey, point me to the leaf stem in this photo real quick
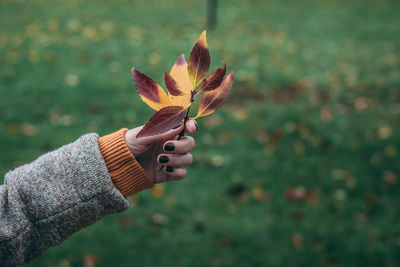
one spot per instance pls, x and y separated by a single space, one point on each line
182 133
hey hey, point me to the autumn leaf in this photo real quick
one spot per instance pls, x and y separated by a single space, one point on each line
173 106
296 193
172 86
150 91
212 100
158 191
29 129
213 80
163 120
180 74
90 260
199 61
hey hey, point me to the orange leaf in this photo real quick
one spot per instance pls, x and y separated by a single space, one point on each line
150 92
296 193
199 61
212 100
213 80
172 86
163 120
90 260
180 74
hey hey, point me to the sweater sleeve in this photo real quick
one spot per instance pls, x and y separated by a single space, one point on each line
44 202
126 173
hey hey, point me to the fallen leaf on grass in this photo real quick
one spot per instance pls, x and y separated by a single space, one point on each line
90 260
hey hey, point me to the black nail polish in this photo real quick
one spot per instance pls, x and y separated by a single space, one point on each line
163 159
169 169
169 147
197 126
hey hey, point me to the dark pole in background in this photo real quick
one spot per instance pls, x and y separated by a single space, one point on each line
211 10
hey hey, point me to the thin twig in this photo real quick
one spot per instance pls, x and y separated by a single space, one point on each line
182 133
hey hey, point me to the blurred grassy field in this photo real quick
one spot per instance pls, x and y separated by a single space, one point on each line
299 168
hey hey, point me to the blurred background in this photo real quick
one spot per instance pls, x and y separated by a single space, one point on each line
300 167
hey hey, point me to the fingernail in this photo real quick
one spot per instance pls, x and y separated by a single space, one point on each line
169 169
163 159
169 147
197 126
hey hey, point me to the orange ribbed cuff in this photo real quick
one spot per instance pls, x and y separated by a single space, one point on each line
126 173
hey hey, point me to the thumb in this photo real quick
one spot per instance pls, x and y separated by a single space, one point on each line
163 136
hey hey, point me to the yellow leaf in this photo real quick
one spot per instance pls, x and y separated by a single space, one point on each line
181 76
158 191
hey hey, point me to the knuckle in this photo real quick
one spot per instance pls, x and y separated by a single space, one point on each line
194 142
184 172
190 158
191 142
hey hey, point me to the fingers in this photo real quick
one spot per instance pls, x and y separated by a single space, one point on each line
176 174
172 169
182 146
176 153
164 136
171 174
176 160
191 126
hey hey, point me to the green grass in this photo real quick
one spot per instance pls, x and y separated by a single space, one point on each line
315 107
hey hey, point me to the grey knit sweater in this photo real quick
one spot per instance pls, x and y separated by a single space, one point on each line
44 202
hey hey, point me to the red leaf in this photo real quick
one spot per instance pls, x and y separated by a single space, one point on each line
296 193
213 80
90 260
212 100
172 85
199 61
163 120
150 91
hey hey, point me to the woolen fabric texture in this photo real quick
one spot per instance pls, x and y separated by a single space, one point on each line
44 202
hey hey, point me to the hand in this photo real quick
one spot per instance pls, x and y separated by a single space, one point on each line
162 156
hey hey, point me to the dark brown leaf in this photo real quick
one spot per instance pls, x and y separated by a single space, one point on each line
163 120
199 61
150 91
213 80
172 85
212 100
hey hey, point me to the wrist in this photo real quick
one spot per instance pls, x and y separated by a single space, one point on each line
137 146
126 173
129 140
